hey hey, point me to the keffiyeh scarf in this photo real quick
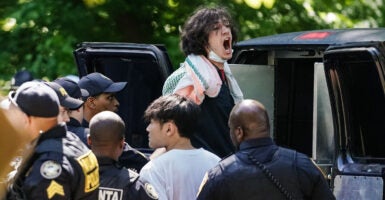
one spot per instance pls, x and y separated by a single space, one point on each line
197 77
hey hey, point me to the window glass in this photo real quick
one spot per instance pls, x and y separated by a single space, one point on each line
364 103
144 84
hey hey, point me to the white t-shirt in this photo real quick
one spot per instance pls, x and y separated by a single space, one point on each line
177 174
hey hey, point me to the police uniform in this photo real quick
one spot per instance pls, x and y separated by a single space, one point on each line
133 159
237 177
95 84
73 90
61 167
85 124
118 182
74 126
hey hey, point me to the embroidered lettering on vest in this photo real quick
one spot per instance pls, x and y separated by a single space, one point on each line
90 168
110 193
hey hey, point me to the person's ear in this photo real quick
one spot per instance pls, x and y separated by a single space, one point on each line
89 141
239 134
170 128
120 148
27 118
26 121
207 49
90 102
122 144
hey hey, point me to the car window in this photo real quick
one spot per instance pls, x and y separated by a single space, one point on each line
144 84
256 82
361 82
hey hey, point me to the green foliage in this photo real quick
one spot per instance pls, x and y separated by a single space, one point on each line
40 35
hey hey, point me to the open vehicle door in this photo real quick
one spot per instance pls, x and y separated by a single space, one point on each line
295 94
286 74
324 92
144 67
355 76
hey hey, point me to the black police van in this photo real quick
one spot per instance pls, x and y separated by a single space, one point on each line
144 67
324 91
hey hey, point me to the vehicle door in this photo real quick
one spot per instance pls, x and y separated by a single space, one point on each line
144 67
268 84
355 78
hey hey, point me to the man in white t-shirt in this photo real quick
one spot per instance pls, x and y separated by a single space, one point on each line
178 172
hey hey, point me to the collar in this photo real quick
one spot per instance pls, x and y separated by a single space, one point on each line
58 131
85 124
103 160
253 143
73 122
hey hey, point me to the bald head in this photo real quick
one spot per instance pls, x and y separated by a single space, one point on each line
106 134
250 116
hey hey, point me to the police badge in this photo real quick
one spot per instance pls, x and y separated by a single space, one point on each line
50 169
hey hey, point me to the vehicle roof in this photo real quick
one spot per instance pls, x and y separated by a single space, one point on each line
318 38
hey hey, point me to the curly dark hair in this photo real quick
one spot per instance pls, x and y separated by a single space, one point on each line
182 111
195 32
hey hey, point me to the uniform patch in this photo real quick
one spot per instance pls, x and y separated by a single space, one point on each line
151 192
50 169
106 193
54 188
90 168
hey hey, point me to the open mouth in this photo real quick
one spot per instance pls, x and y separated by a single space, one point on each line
227 44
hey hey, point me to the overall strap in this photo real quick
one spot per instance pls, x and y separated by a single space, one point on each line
270 176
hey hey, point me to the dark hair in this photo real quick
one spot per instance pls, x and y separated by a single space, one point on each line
195 32
182 111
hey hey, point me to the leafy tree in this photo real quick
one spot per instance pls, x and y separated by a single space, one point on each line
41 35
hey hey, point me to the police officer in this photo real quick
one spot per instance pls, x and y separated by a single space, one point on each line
261 169
107 142
75 115
101 97
59 165
67 103
19 78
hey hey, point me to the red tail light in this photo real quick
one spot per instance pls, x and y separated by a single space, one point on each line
313 36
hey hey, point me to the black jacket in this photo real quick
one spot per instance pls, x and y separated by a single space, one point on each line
74 126
236 177
118 182
133 159
61 167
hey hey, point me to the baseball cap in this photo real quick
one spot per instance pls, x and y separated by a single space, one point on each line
96 83
65 100
36 99
20 77
72 88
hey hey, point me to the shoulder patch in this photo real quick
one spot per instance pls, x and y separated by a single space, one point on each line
151 192
50 169
90 168
53 189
